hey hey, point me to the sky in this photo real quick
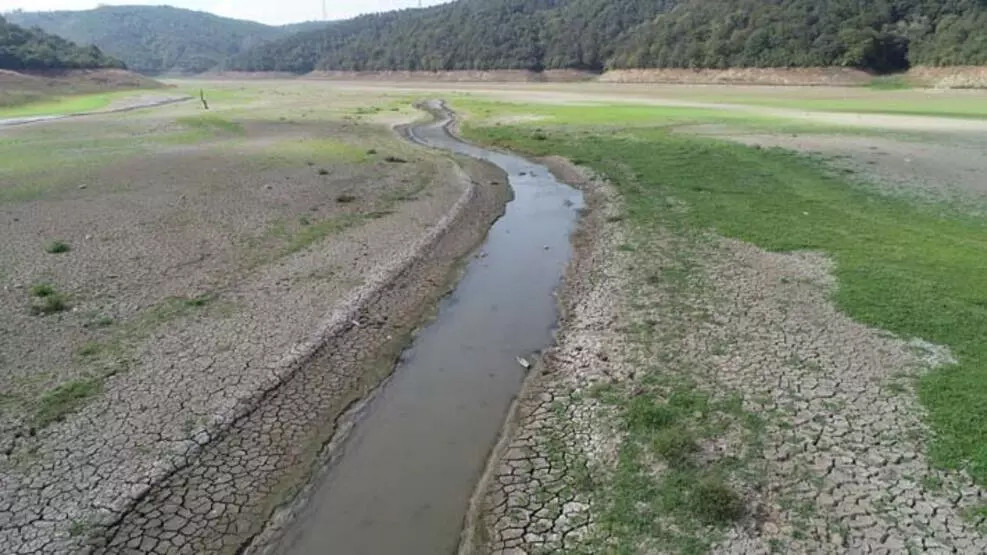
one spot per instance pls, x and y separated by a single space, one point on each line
273 12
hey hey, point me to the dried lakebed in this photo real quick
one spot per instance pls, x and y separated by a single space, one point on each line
402 479
217 491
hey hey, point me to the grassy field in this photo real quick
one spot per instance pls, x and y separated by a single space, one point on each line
882 98
915 269
65 104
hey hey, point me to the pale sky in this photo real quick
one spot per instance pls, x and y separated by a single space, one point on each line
274 12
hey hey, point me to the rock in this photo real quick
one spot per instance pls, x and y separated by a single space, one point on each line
523 362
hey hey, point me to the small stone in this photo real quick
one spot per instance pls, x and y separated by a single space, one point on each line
83 186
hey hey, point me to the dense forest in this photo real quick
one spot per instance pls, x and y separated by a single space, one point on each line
158 39
876 35
469 34
33 49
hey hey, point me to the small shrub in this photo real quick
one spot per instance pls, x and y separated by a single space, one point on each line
77 528
90 349
540 137
50 304
47 300
676 445
56 247
104 322
713 501
42 290
372 151
64 399
323 171
395 160
645 415
345 198
199 301
303 220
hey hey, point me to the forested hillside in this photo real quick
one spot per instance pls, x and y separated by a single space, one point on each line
31 49
877 35
157 39
469 34
880 35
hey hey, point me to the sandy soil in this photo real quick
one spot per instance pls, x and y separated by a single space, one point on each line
820 76
200 277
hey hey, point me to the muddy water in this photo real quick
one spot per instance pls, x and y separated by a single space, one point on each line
402 479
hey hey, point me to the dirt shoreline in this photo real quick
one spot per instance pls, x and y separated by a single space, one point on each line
593 242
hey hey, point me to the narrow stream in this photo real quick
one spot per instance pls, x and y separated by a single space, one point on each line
402 479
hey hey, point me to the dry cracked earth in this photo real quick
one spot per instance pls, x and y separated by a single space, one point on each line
220 351
840 465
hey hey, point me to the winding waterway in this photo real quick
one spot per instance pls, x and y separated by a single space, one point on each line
401 481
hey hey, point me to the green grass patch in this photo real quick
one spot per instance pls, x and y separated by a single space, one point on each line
42 290
321 149
172 308
212 123
57 247
62 105
675 505
889 83
65 399
306 235
911 268
47 300
597 114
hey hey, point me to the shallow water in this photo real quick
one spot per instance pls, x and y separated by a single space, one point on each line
402 479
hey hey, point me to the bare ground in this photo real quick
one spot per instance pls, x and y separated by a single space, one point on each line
198 281
17 87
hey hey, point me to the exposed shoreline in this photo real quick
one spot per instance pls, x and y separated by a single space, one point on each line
265 443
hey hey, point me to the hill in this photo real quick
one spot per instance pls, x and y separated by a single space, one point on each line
159 39
32 49
875 35
469 34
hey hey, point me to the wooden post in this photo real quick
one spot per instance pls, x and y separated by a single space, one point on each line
202 97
